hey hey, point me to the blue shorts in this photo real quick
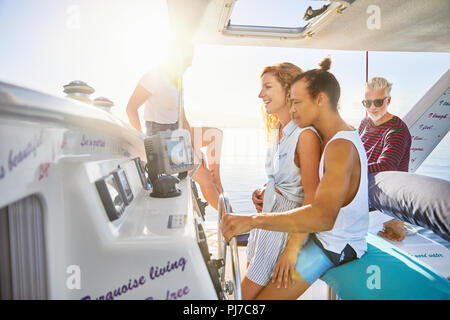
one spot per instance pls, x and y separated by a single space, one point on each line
314 260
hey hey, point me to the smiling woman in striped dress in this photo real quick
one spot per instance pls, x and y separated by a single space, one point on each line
292 168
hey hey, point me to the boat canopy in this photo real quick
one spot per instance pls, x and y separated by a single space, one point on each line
367 25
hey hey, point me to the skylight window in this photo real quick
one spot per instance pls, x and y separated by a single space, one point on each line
274 13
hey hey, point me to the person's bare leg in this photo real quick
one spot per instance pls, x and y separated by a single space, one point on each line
213 146
207 186
210 194
215 168
249 289
295 290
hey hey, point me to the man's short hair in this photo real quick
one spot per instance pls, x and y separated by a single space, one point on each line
377 83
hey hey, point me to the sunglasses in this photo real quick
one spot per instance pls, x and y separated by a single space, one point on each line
377 102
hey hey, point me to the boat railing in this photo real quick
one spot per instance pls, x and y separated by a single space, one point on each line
235 285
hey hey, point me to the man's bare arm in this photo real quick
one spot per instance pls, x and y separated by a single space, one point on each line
331 194
139 96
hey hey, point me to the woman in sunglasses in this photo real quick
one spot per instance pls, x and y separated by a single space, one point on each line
386 139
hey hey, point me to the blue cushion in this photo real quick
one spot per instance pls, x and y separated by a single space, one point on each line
387 273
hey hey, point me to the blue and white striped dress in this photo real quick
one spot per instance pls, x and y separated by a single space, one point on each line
264 247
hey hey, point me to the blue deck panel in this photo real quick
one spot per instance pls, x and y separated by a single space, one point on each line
387 273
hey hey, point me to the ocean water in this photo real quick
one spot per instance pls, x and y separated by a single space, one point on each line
242 170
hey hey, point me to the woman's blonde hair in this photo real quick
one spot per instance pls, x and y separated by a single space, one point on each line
285 73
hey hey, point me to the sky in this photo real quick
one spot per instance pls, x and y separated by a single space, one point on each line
110 44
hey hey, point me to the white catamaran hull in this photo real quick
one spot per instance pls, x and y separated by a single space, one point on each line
61 242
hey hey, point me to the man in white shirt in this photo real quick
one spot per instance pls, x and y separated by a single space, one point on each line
158 91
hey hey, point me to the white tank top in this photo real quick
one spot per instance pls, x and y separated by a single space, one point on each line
352 222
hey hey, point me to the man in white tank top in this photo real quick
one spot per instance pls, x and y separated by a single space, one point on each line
338 216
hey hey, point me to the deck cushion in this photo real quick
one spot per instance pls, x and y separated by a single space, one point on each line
387 273
414 198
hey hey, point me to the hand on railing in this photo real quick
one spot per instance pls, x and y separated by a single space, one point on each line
233 225
223 212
